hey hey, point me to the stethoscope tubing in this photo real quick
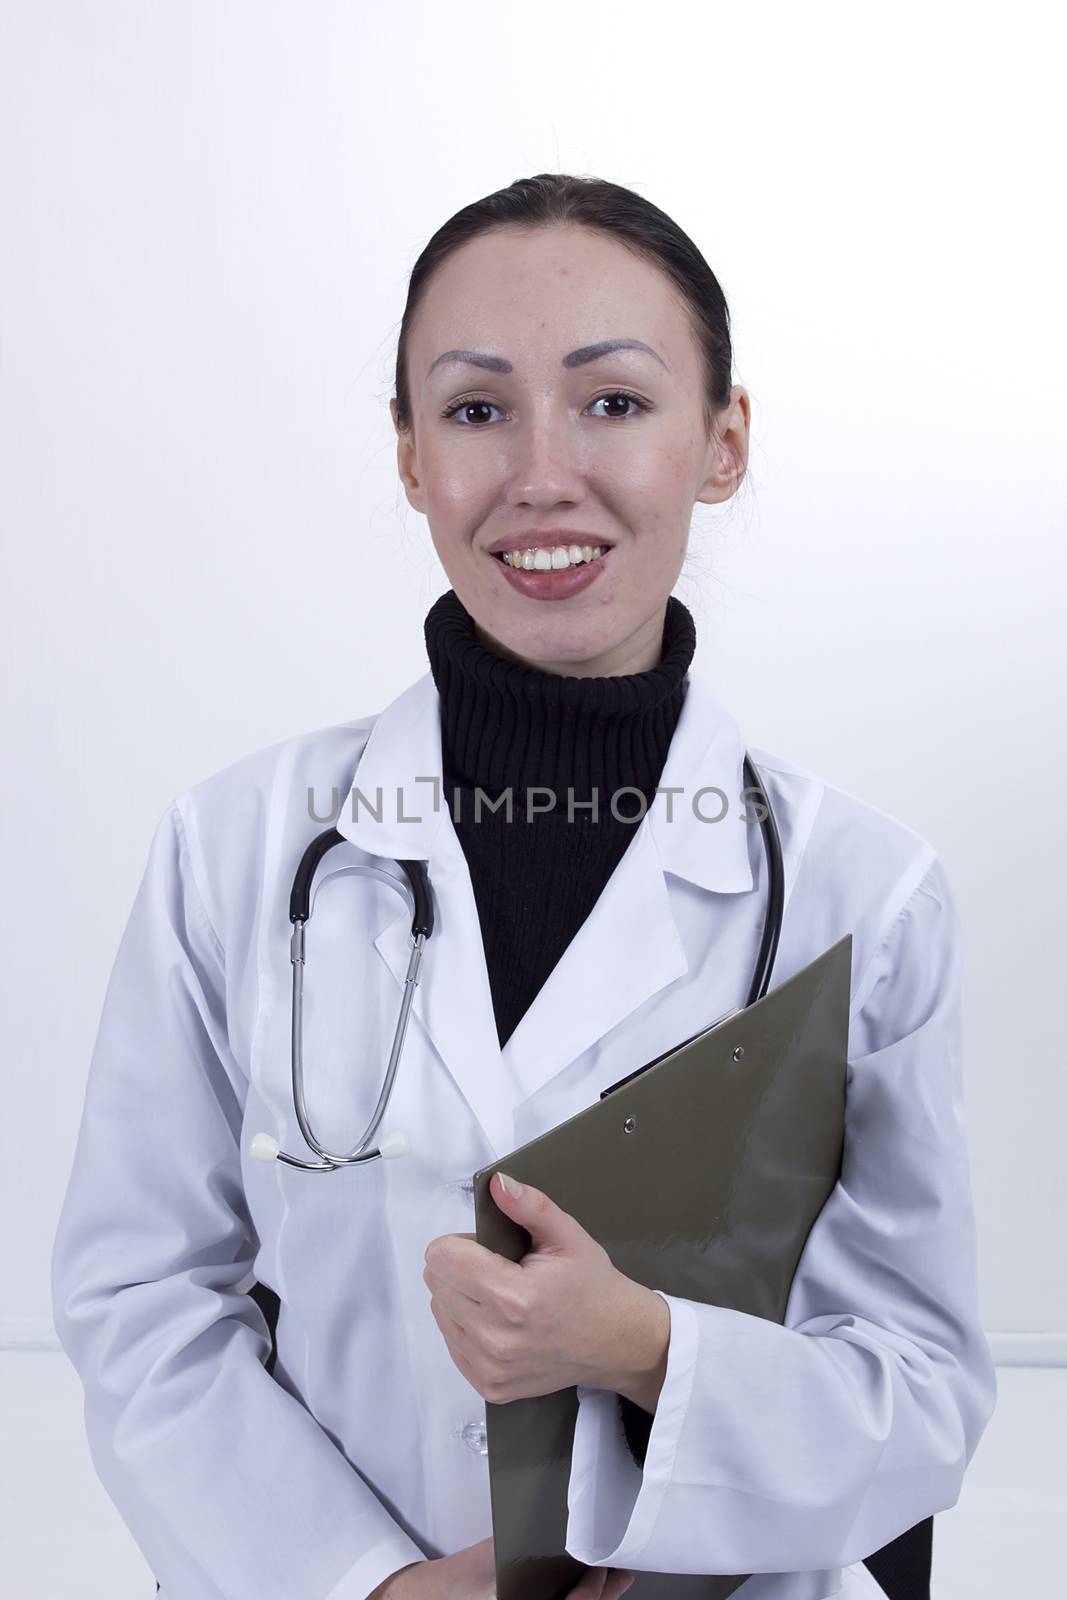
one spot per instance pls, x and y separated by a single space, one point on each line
265 1148
772 922
299 914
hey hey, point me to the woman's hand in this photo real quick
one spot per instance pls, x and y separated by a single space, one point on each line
562 1316
471 1575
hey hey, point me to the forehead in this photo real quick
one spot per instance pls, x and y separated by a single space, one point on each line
513 291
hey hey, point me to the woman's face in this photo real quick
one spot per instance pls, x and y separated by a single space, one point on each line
544 448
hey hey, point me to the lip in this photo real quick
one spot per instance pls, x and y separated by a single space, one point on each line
553 585
547 539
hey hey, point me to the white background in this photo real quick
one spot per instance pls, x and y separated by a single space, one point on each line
208 215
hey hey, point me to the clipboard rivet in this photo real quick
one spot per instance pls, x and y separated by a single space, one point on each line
629 1125
739 1052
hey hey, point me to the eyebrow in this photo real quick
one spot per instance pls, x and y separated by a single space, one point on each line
577 358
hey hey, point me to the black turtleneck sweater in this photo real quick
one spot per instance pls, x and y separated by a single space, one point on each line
506 726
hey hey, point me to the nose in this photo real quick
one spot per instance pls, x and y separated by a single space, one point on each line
546 464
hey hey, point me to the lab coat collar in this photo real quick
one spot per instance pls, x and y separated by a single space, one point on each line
393 805
706 762
400 775
626 951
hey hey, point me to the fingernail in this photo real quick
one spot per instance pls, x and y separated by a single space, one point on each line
511 1185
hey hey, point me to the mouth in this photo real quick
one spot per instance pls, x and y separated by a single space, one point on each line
551 573
551 558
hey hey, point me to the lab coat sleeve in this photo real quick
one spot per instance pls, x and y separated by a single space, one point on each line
813 1443
227 1483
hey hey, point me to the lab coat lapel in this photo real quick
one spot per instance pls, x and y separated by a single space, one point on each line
400 774
626 951
629 947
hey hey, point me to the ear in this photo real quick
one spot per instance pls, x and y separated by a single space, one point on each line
727 455
407 463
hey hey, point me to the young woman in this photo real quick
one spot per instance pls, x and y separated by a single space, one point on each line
563 400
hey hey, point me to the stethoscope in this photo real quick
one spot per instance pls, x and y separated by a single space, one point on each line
265 1148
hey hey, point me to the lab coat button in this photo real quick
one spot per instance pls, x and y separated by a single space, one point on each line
473 1437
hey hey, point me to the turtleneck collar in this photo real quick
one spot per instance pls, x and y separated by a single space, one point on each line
507 724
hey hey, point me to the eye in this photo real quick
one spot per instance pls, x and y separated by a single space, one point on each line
622 394
468 405
473 403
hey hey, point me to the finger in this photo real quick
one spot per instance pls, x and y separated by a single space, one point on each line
439 1279
457 1259
461 1307
619 1580
450 1328
590 1585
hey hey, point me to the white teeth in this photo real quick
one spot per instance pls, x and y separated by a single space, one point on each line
542 560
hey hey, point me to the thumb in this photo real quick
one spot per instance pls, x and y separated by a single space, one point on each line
545 1221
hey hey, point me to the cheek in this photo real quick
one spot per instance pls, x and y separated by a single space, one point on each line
674 472
658 501
458 475
653 484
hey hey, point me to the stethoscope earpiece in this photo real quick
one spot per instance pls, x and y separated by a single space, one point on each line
394 1144
264 1147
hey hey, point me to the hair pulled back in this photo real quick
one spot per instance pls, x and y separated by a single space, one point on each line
552 198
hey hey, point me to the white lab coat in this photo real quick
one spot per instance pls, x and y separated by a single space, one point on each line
785 1451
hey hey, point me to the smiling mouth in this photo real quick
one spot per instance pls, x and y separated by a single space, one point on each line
557 559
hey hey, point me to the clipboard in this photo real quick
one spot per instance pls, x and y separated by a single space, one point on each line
726 1148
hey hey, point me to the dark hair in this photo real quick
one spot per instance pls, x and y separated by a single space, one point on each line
557 197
